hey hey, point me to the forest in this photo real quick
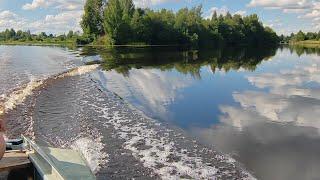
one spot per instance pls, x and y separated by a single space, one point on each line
301 36
11 35
119 22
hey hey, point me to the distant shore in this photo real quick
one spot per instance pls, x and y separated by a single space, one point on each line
37 43
307 43
71 43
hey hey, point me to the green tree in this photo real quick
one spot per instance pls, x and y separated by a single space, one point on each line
123 24
70 34
127 9
228 15
214 16
300 36
43 35
113 20
92 22
117 19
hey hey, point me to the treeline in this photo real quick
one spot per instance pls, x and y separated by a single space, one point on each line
301 36
10 35
118 22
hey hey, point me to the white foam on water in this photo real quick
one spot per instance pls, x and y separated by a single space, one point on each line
80 70
158 150
10 101
92 150
17 97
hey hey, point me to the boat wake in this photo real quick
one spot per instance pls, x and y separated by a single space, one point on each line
18 96
9 102
79 70
75 113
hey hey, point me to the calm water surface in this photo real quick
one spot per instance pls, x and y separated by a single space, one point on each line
261 106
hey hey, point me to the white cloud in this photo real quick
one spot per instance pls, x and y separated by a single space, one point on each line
59 23
56 24
222 11
68 18
36 4
69 4
277 23
313 14
241 12
296 11
308 9
7 15
9 19
285 4
59 4
148 3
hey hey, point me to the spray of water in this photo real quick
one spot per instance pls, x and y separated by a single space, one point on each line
92 152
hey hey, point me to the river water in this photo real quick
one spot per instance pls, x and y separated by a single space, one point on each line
169 113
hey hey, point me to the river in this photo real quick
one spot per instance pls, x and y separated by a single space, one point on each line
169 113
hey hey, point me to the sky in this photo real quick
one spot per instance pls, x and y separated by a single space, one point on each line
60 16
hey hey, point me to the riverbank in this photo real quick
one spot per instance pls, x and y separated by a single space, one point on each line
74 44
39 43
307 43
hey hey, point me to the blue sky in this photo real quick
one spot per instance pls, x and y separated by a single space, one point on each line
58 16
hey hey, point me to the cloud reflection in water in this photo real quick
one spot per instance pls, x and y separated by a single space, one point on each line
274 132
152 89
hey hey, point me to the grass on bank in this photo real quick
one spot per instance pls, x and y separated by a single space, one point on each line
39 43
101 42
307 43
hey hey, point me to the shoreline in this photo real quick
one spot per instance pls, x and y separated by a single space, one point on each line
73 44
307 44
88 45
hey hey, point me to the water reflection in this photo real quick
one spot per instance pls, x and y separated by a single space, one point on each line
275 130
301 50
184 61
156 80
260 105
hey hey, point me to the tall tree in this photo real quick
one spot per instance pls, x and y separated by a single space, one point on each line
70 34
113 19
117 19
300 36
127 7
91 22
214 16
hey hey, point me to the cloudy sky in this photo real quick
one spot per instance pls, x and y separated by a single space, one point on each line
58 16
